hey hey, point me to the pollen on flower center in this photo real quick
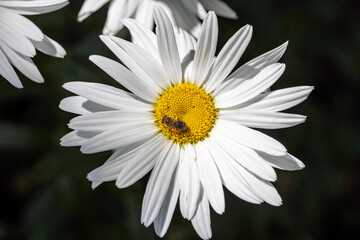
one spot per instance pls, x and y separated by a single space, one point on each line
189 105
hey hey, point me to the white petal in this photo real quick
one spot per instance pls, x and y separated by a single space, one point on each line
88 7
80 105
124 135
264 189
125 77
201 221
249 186
103 121
195 7
262 119
49 47
251 138
135 147
118 10
110 169
245 156
34 7
106 95
287 162
141 164
151 67
184 18
7 71
23 63
167 46
16 41
205 49
250 89
163 219
145 14
189 182
138 167
159 183
20 24
231 178
125 158
186 46
278 100
251 68
76 138
228 57
219 7
132 65
210 178
143 36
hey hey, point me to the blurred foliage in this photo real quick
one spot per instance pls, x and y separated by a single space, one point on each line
44 190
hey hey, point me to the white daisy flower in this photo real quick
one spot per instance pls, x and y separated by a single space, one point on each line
19 38
185 14
186 118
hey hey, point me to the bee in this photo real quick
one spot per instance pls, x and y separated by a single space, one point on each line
171 122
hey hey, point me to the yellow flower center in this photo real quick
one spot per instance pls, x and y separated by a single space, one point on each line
185 113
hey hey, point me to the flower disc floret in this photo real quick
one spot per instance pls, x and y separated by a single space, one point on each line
190 104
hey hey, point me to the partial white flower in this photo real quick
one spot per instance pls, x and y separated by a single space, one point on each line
187 119
185 14
19 38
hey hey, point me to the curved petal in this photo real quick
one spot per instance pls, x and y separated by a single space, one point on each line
76 138
80 105
49 47
287 162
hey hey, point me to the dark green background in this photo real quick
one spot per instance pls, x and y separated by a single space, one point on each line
44 190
